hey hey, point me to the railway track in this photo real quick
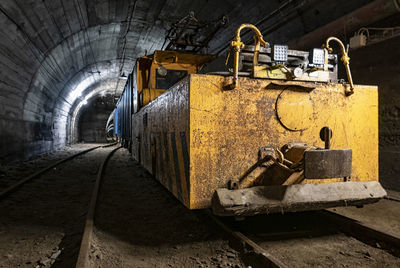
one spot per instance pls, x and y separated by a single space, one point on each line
42 220
37 174
260 239
138 223
271 240
253 236
83 257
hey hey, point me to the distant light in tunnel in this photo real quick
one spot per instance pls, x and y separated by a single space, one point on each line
86 98
77 92
123 77
78 107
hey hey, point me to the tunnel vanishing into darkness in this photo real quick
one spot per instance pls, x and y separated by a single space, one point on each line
64 63
93 117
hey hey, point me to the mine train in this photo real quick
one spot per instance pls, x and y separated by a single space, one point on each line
277 132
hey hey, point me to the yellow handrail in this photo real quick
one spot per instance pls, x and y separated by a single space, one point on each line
345 59
237 45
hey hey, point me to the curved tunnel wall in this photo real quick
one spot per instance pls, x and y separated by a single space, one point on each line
102 88
49 48
40 78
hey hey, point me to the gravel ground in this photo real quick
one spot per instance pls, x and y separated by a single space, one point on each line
13 172
309 240
140 224
336 250
383 215
41 223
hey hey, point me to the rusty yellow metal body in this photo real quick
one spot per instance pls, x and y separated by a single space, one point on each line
146 68
197 136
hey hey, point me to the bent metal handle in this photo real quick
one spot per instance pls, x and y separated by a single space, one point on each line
345 59
237 45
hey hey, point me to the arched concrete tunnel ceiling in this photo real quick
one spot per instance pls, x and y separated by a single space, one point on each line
99 89
54 53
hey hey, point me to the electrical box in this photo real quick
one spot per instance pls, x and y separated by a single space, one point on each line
358 41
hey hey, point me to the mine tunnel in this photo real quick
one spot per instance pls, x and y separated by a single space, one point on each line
171 133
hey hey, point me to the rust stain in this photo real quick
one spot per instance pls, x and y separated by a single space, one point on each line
226 128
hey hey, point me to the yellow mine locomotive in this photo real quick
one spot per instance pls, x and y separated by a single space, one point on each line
276 133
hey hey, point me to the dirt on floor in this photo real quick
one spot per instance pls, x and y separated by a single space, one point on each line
330 251
140 224
41 223
310 239
12 172
383 215
334 249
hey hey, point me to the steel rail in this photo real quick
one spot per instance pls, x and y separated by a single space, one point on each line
365 232
252 253
18 184
83 256
392 195
257 256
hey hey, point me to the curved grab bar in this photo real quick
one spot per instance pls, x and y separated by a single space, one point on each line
345 59
237 45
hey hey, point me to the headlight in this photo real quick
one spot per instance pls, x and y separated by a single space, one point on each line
162 71
317 56
279 53
298 72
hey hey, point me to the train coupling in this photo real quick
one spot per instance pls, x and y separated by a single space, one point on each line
293 198
294 179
